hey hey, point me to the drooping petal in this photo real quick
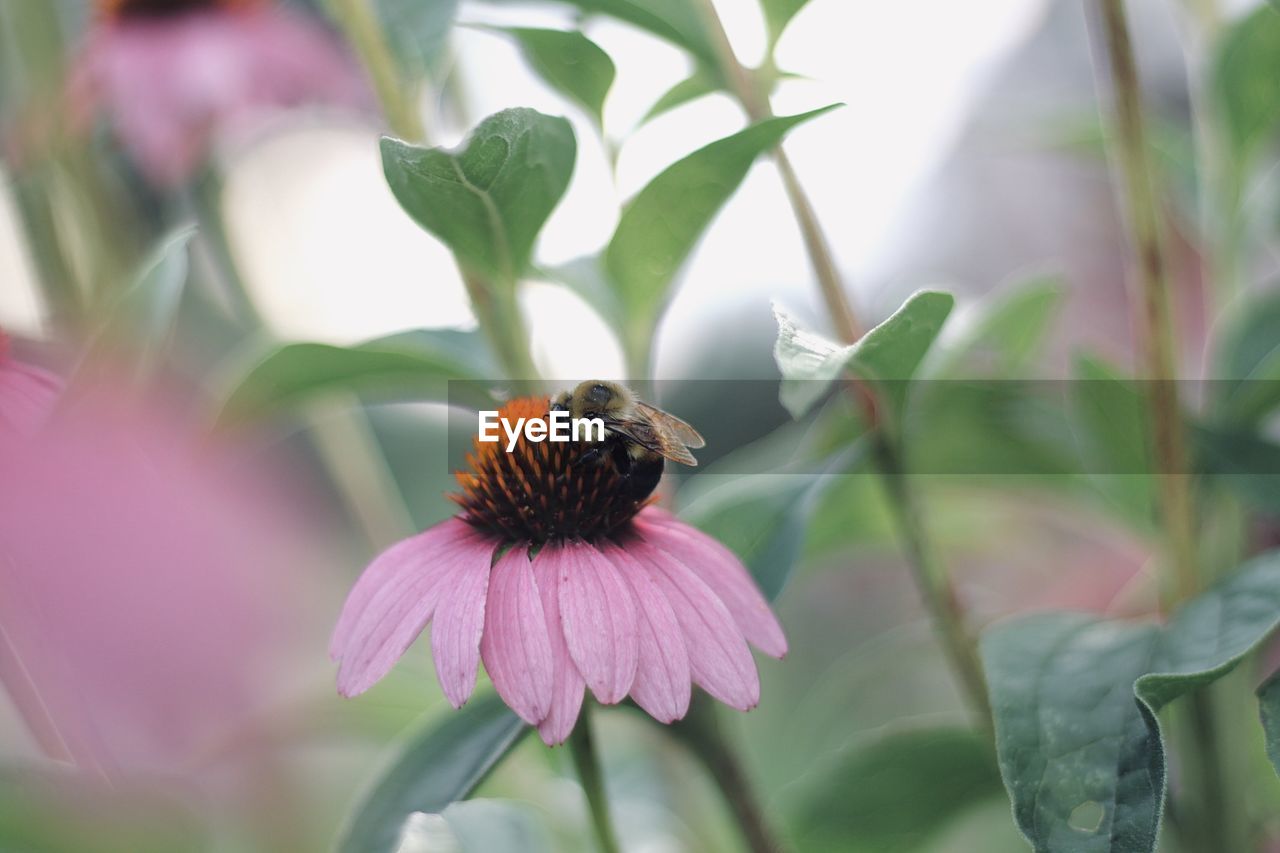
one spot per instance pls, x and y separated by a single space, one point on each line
721 570
598 613
395 598
662 686
568 687
718 655
515 647
456 630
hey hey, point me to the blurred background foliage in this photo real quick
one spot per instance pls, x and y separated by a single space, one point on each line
279 299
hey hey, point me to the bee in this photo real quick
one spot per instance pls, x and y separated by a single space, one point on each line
638 438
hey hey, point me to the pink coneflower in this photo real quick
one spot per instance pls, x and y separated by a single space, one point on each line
27 393
558 581
173 74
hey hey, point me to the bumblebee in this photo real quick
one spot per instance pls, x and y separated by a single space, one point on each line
638 437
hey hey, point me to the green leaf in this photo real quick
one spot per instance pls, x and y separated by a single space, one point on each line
417 32
1083 762
778 14
1243 462
898 792
698 85
764 518
1248 361
889 354
569 62
1269 709
678 21
410 365
440 765
661 225
488 199
586 277
1008 331
1246 81
1112 428
141 317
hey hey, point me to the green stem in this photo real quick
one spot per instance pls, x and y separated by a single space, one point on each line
1158 349
700 731
587 763
1217 820
757 107
359 21
934 584
939 598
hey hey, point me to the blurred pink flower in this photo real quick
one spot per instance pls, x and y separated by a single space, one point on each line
143 575
27 393
619 598
173 76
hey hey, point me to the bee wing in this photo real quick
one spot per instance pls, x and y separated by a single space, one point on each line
653 437
681 431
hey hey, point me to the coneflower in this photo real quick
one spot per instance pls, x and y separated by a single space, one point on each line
171 75
559 582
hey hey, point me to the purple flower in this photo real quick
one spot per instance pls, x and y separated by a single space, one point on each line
559 582
27 393
173 76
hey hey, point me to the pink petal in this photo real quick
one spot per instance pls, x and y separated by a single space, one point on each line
662 686
27 396
515 647
721 570
598 613
456 630
396 596
566 694
718 655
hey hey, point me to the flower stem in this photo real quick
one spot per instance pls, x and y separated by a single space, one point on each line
934 584
359 21
587 763
816 244
700 730
1218 818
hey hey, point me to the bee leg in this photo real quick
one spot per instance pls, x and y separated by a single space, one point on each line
590 456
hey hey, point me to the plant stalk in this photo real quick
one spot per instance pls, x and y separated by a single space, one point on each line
587 763
359 21
1217 817
701 732
934 584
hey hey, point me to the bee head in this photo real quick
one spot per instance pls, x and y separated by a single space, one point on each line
599 398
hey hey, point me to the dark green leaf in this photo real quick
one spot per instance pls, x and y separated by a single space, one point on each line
678 21
764 518
890 353
1246 464
898 792
1248 361
1269 708
411 365
778 14
661 225
1246 81
569 62
440 765
417 31
1072 741
488 199
700 84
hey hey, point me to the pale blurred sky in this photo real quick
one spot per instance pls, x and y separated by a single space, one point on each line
331 257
